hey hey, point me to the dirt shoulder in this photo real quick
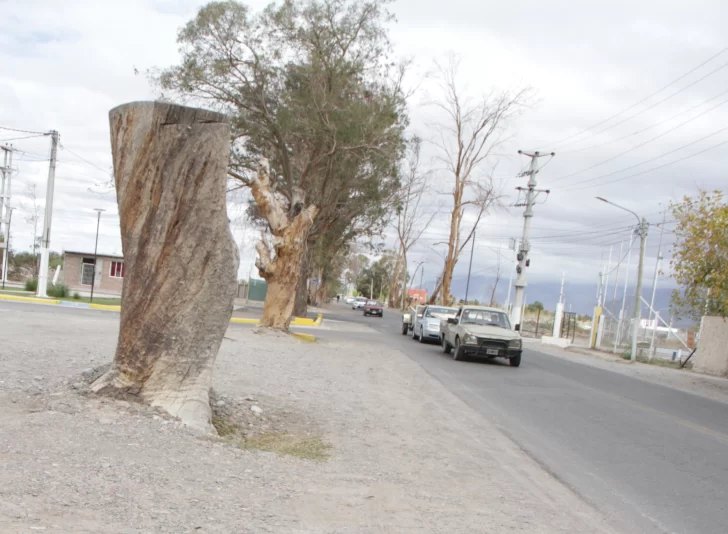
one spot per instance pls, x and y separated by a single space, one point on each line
404 455
685 380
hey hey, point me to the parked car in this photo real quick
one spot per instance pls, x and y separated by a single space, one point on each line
481 332
358 303
426 325
373 307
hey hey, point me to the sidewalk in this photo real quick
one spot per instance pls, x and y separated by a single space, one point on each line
710 387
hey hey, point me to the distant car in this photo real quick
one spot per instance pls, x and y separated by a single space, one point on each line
373 307
359 303
349 300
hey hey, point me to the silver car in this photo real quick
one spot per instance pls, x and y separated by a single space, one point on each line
359 303
426 325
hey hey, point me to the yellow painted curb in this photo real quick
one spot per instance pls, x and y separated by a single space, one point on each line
307 338
241 320
107 307
35 300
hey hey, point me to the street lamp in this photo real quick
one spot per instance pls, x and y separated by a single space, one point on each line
96 248
642 229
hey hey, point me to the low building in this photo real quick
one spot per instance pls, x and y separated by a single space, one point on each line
417 296
78 273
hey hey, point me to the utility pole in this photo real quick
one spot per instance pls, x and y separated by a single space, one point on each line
511 246
6 251
96 249
5 210
467 285
523 261
606 278
638 296
422 275
657 270
48 215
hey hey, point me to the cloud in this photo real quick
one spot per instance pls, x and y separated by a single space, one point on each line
65 65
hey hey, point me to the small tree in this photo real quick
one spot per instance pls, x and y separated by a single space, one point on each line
700 256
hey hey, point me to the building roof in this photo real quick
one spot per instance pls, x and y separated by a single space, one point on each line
101 255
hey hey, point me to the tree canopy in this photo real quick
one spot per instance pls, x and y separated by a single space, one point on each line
700 255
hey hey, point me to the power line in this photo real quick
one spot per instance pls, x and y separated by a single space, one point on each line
85 160
570 187
644 129
632 149
19 138
22 131
711 58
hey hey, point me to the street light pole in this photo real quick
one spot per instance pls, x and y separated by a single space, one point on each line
96 248
642 229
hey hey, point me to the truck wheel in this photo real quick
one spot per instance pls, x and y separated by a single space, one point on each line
414 333
446 348
405 327
457 351
515 361
422 335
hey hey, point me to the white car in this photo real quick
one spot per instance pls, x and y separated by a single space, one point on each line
426 324
359 303
349 300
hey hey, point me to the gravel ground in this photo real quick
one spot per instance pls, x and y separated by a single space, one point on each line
405 455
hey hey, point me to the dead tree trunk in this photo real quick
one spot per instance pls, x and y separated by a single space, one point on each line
170 167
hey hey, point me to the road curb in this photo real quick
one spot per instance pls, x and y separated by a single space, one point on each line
33 300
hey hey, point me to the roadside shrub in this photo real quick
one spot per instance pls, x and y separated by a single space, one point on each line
58 291
76 296
31 285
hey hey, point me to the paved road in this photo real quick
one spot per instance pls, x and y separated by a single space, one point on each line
651 458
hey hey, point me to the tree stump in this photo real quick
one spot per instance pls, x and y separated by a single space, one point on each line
170 169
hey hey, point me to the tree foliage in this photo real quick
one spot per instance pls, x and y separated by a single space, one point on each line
700 255
377 276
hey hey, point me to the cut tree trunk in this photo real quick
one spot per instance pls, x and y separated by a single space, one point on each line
280 267
180 260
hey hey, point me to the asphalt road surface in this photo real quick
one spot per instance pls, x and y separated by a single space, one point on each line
651 458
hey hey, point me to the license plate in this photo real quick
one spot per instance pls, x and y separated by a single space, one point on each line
491 352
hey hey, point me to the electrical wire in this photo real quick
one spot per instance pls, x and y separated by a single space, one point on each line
85 160
711 58
22 131
19 138
643 129
570 187
632 149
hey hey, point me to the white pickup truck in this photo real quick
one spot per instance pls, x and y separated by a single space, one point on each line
483 332
426 324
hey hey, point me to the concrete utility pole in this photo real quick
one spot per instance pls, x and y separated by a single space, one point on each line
512 247
523 261
606 278
657 271
96 249
5 210
467 285
642 230
48 215
6 250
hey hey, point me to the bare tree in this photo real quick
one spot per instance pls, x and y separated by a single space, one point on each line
33 211
411 217
495 284
468 136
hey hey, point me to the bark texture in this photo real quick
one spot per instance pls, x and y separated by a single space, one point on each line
170 167
279 262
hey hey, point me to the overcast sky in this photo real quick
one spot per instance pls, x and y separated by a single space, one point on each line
64 65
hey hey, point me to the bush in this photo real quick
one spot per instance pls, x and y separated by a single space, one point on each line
76 296
31 285
58 291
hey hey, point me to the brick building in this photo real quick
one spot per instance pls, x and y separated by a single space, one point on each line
78 268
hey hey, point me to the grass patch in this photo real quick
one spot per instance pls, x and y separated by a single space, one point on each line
309 448
13 290
225 427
